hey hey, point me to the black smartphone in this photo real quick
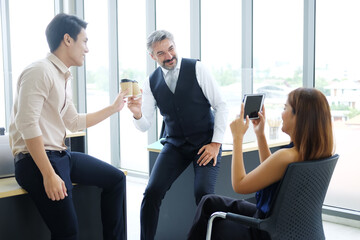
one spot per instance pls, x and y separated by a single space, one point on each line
253 104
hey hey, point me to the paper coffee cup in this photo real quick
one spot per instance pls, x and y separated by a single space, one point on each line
136 89
127 84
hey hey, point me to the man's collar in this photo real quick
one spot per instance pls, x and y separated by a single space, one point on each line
59 64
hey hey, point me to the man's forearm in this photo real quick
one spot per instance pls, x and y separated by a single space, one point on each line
37 152
96 117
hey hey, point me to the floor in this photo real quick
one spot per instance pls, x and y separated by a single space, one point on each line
335 231
135 189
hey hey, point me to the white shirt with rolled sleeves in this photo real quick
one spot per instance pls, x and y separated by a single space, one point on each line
43 106
210 90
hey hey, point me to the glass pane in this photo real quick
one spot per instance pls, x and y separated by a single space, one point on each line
337 75
176 21
97 76
2 93
278 53
27 33
132 65
224 61
174 16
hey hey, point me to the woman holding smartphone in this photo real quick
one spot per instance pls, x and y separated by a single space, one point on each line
307 120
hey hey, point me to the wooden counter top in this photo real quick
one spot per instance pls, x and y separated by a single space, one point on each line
75 134
227 148
9 187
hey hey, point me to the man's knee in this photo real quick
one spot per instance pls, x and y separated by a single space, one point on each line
117 183
153 195
206 199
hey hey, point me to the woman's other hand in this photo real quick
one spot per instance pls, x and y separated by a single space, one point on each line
239 126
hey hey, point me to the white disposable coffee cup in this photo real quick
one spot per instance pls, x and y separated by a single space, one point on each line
136 89
127 84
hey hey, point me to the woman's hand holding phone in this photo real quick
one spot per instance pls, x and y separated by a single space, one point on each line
259 124
253 104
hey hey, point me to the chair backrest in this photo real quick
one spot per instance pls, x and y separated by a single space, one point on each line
296 211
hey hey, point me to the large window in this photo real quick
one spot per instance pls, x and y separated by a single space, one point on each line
278 50
277 60
132 65
221 50
174 16
97 76
27 33
337 75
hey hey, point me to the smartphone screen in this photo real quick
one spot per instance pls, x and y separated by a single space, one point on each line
253 104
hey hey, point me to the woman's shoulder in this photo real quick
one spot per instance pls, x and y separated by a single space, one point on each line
278 162
287 155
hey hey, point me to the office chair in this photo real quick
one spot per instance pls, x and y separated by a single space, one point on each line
296 210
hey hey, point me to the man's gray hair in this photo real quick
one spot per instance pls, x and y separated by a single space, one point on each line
158 36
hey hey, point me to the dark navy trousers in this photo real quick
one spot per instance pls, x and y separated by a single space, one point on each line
74 167
170 163
222 229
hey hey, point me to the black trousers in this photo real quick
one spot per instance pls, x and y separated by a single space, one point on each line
60 216
222 229
171 162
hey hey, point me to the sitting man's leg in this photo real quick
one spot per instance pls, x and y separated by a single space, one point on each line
88 170
59 216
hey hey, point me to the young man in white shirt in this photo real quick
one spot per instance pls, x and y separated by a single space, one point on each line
42 111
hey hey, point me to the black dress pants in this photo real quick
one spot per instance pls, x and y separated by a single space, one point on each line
222 229
60 216
171 162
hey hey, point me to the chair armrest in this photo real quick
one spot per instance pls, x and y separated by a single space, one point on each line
248 221
210 222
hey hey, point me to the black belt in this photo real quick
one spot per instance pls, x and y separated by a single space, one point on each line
21 156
